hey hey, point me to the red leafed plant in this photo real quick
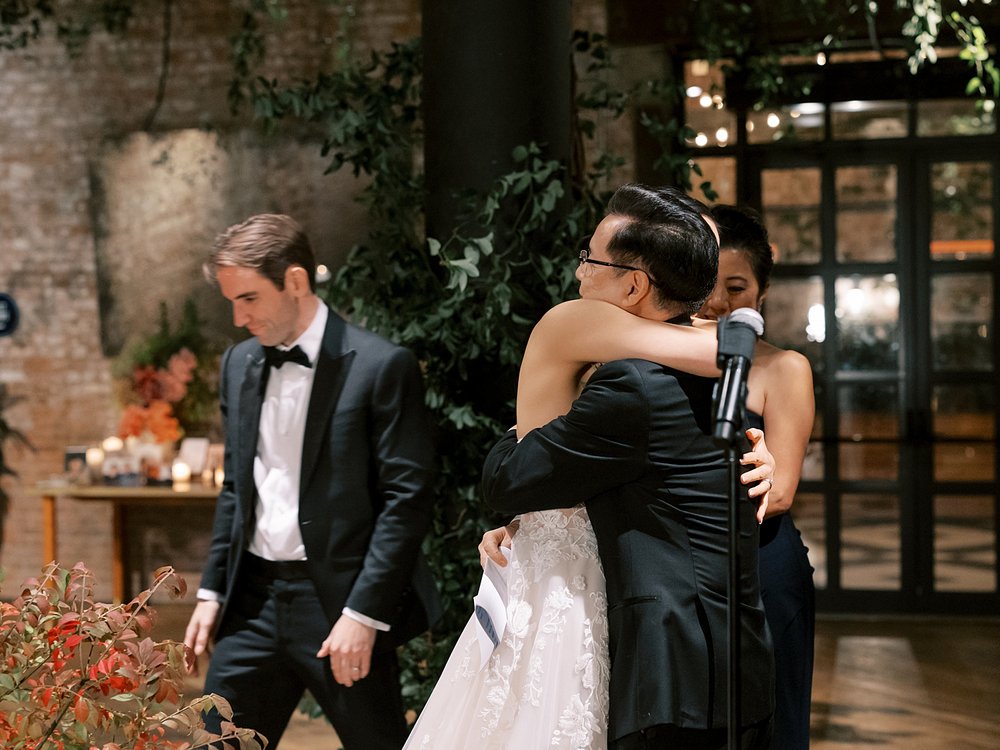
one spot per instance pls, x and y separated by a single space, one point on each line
76 674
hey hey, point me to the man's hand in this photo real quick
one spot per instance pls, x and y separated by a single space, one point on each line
349 647
197 637
493 540
763 472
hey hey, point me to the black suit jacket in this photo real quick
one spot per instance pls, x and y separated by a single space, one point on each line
365 497
637 447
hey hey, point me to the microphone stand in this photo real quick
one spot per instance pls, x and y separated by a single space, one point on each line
728 441
737 335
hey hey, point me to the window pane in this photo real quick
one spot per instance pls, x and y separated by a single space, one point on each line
964 543
868 322
868 430
809 518
791 208
866 213
812 464
794 317
870 542
820 393
964 430
868 411
953 117
868 120
962 220
704 107
961 321
797 122
720 173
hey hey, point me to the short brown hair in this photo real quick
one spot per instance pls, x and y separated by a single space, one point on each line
269 244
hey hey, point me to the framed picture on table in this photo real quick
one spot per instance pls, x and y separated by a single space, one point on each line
194 453
75 463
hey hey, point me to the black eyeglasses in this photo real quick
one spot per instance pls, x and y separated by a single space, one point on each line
584 257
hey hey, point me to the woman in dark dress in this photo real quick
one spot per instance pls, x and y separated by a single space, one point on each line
780 396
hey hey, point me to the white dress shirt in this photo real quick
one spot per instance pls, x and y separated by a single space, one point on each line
277 465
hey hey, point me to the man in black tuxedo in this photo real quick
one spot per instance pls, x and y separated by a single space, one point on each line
314 573
637 446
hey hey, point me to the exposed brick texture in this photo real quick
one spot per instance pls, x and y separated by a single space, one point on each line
89 200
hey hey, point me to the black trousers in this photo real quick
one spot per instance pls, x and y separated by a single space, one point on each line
265 657
670 737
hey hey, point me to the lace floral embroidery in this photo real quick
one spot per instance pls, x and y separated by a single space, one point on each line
546 685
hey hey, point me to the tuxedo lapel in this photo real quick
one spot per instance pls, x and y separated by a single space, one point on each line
332 367
251 398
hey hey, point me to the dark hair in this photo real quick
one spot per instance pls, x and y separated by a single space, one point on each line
269 244
743 229
666 234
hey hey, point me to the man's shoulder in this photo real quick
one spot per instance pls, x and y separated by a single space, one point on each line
655 383
238 352
640 369
629 379
371 344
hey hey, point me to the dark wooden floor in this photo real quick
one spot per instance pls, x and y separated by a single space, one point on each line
915 684
918 684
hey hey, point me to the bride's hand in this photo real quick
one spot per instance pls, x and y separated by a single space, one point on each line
493 540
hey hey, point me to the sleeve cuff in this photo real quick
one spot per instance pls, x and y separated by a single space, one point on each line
365 620
207 595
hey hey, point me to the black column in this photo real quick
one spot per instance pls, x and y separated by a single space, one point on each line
496 75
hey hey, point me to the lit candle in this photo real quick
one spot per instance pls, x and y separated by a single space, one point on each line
112 444
95 463
95 458
220 476
180 472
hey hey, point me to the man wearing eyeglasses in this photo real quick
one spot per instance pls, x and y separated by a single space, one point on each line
637 447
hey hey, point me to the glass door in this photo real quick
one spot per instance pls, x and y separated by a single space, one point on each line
958 384
885 275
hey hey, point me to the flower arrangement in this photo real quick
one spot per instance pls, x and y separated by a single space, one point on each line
168 382
83 675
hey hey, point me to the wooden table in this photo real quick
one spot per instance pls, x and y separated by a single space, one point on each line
120 498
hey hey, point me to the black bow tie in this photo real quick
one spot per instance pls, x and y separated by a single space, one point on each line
275 357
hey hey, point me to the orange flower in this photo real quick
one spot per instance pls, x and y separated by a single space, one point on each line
158 419
133 421
161 422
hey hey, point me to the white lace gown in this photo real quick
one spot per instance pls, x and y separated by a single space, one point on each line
546 684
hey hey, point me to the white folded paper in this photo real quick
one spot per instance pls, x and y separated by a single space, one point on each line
491 608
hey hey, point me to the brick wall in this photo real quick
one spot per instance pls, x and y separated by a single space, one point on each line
91 202
88 199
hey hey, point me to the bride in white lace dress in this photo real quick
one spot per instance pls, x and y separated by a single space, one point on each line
546 683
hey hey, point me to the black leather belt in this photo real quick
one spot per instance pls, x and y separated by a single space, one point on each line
283 570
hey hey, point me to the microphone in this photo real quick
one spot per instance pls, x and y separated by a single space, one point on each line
737 335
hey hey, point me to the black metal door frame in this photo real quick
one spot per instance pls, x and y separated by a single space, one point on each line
915 485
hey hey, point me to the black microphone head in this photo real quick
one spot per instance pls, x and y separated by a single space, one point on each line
738 332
